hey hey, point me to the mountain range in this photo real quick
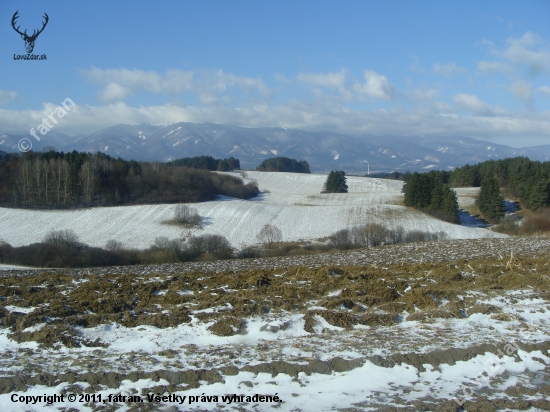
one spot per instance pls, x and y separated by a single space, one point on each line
324 151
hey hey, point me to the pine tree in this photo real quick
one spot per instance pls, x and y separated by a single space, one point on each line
336 182
449 205
539 195
490 201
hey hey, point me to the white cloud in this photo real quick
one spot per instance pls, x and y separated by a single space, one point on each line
328 80
114 91
6 96
494 67
416 67
209 85
376 86
282 78
523 90
544 90
521 51
448 69
294 114
332 81
424 95
474 105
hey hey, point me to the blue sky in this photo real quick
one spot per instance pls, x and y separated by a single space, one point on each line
468 68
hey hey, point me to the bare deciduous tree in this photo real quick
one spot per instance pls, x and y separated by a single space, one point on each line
65 177
113 245
26 179
270 235
37 174
88 180
186 215
342 239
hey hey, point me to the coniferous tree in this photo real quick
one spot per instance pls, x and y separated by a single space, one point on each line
336 182
539 196
429 192
283 164
490 201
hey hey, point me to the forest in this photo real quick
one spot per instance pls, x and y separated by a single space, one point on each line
518 178
283 164
207 163
430 192
68 180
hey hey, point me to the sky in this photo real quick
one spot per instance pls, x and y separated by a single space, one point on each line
452 68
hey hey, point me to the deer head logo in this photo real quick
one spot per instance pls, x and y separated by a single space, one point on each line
29 40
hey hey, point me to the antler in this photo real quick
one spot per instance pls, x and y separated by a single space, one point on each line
43 25
15 16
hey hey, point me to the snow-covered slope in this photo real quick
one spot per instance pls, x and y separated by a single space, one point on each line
290 201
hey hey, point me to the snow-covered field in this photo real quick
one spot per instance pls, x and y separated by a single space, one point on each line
466 196
290 201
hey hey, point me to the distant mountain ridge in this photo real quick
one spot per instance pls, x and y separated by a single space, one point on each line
324 151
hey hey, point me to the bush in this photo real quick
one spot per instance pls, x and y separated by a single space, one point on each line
186 215
342 239
113 245
215 245
62 238
376 234
5 251
249 253
535 225
508 225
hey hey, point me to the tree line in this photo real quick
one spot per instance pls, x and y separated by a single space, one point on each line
283 164
207 163
430 192
521 177
75 179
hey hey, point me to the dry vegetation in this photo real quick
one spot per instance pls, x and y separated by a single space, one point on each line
366 293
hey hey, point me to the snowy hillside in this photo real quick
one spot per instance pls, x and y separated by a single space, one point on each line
290 201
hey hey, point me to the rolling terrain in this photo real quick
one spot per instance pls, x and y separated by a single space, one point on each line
455 325
290 201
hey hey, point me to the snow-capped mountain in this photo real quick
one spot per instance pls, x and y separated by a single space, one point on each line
324 151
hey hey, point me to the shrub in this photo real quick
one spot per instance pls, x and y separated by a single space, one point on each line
61 238
342 239
113 245
186 215
5 251
249 253
508 225
376 234
215 245
535 225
